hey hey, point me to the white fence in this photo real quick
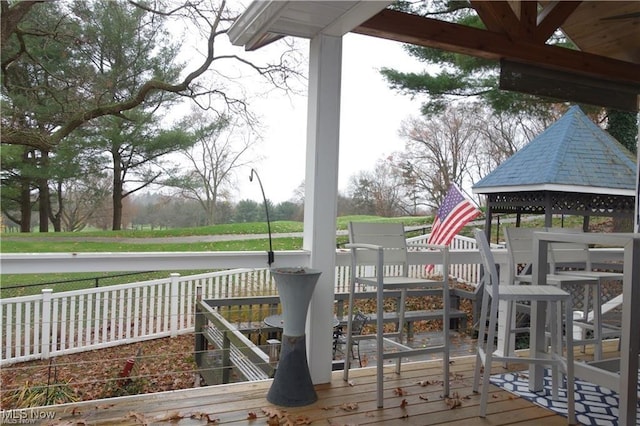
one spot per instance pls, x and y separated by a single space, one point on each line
51 324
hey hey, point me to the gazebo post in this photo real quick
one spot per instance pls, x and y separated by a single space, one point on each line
488 218
548 214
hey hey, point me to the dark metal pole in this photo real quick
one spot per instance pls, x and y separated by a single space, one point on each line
270 255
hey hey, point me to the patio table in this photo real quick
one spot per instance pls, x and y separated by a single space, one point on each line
627 379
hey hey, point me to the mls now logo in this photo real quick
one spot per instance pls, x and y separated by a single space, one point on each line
25 416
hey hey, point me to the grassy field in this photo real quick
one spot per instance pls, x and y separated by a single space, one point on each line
53 245
144 241
278 227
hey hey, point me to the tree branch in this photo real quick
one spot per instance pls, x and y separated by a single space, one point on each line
11 17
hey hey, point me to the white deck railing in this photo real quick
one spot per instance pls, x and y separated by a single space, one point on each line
467 272
51 324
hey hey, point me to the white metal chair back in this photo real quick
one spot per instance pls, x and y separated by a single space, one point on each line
520 250
389 236
519 243
491 279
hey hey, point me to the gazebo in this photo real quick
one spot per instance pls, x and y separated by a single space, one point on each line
573 167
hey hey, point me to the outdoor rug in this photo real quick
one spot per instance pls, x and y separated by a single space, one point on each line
595 405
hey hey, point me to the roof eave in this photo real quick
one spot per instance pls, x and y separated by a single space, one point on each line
254 28
554 188
251 27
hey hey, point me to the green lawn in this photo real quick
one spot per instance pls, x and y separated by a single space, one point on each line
51 245
125 241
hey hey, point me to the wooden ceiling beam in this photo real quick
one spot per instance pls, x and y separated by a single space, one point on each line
421 31
497 16
552 16
528 18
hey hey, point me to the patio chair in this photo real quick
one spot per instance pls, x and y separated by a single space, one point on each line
520 249
578 257
339 338
549 295
379 260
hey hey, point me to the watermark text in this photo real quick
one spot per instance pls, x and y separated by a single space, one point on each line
25 416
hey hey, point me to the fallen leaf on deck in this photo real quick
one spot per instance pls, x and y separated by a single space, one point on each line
252 416
364 360
423 397
173 416
301 420
349 406
453 402
404 403
273 421
273 412
456 376
138 417
204 416
399 392
104 406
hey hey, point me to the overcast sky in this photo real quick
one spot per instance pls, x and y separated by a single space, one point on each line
370 117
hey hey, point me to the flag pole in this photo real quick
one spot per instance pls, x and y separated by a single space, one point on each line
469 197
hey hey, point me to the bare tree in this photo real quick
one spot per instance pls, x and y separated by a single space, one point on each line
81 197
440 151
220 149
503 134
380 191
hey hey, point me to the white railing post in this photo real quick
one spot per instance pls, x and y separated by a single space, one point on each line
46 323
174 303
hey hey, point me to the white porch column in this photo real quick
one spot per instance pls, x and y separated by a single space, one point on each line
321 191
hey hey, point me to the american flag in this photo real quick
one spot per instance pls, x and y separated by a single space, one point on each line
454 213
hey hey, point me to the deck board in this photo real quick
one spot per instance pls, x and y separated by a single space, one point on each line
231 404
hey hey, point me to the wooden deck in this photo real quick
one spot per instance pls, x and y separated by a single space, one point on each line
339 403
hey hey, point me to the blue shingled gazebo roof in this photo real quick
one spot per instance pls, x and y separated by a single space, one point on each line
572 155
